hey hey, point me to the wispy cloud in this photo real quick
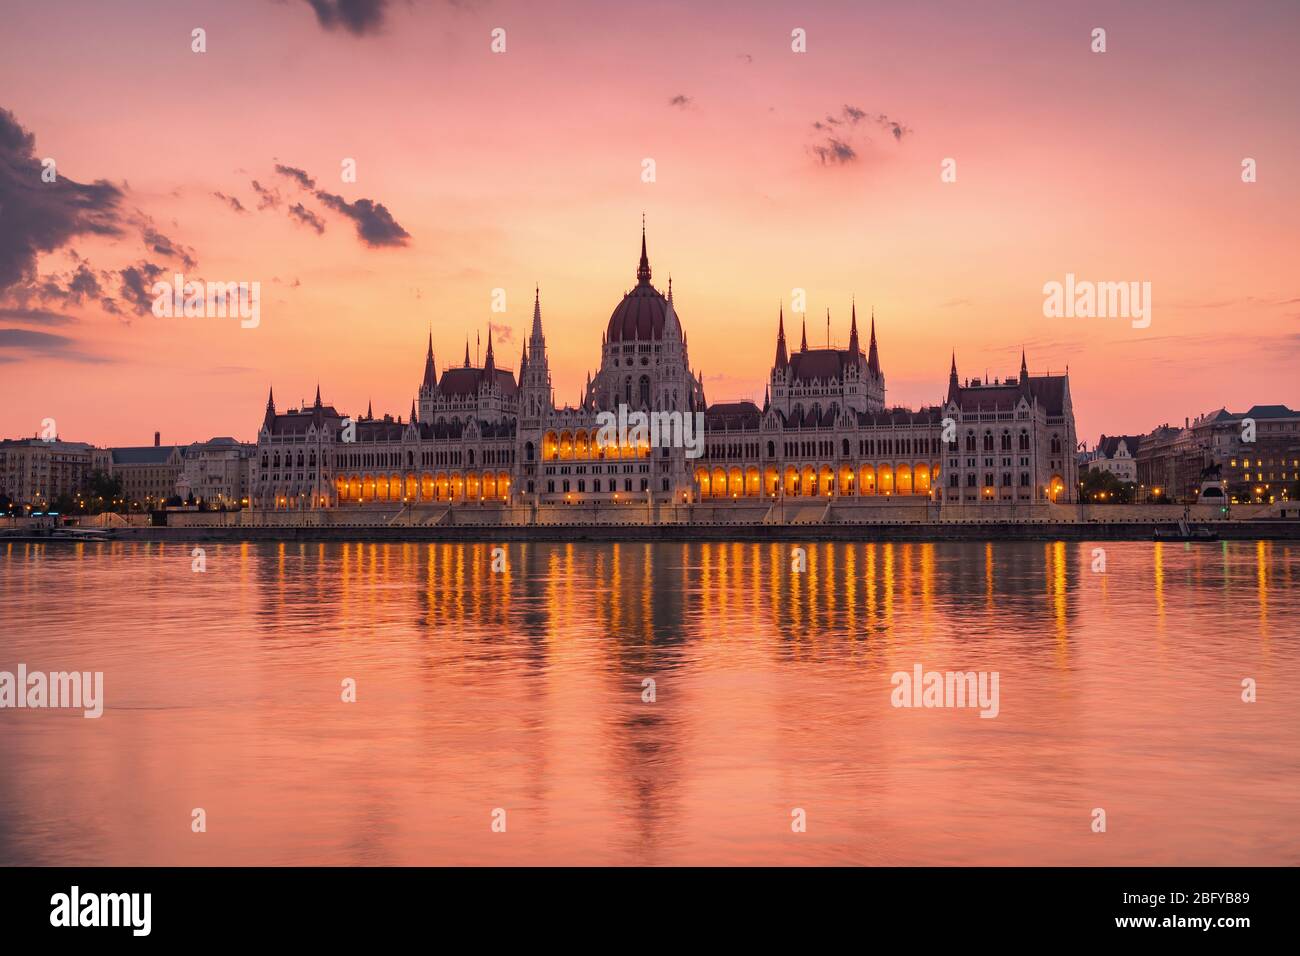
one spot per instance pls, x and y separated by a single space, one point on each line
36 316
26 344
840 140
375 225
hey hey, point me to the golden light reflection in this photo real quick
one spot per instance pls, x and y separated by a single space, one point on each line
1158 570
1262 553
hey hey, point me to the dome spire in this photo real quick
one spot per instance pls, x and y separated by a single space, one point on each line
643 270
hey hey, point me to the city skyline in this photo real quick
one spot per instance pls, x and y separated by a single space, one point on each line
775 171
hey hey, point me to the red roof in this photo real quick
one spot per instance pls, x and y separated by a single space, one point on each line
822 364
465 381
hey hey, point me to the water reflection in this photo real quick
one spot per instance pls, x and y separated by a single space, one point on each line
523 689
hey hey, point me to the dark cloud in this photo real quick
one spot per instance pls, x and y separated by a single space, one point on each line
358 17
303 180
161 245
41 217
306 217
747 57
502 332
35 316
681 101
232 201
835 152
896 129
137 281
267 197
375 224
83 283
65 288
838 147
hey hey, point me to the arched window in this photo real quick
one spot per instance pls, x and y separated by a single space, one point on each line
771 451
844 448
645 390
528 451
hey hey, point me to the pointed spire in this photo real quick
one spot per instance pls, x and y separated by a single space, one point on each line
523 360
370 410
782 359
413 418
873 355
489 363
803 344
643 270
670 288
953 385
467 352
537 314
269 418
854 349
430 372
1024 366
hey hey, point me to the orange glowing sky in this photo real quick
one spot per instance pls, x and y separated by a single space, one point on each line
522 167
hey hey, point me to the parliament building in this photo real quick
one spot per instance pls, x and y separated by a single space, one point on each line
488 433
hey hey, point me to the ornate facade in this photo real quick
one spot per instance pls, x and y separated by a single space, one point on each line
486 434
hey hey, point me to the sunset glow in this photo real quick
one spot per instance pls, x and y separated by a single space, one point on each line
523 168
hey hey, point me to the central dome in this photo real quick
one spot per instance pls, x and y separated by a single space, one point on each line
642 314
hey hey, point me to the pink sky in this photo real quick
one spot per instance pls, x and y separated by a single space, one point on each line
522 167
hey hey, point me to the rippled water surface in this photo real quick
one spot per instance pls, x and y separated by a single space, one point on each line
523 691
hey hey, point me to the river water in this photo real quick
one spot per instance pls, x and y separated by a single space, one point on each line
518 699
